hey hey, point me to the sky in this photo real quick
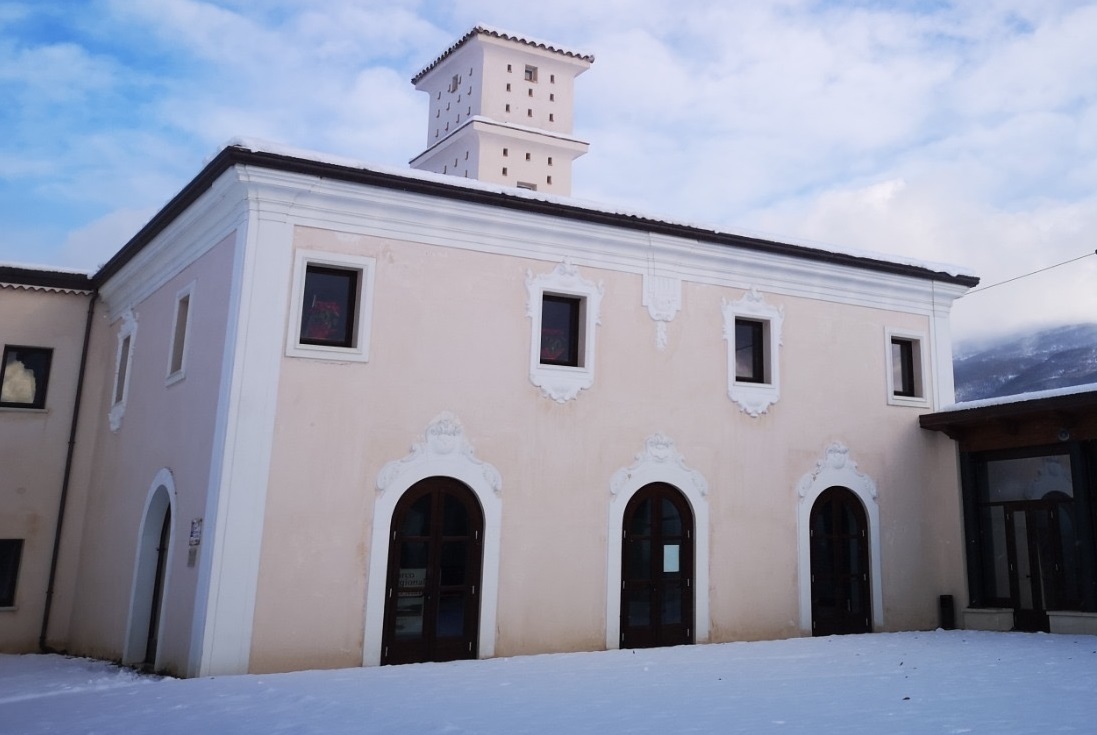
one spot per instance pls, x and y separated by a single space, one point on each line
957 132
960 681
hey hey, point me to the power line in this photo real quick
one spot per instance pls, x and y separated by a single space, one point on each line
1026 275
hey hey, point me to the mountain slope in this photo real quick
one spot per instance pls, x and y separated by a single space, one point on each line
1034 360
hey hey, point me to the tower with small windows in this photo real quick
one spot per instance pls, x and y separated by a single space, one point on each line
501 111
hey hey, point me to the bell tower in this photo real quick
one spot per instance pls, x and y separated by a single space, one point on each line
501 111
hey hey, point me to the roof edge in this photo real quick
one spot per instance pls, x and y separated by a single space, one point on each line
483 29
238 153
47 279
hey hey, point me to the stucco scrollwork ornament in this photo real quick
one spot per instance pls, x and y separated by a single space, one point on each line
123 369
754 398
563 383
659 456
445 450
837 464
663 298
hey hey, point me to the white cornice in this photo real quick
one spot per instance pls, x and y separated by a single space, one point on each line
381 212
205 223
388 213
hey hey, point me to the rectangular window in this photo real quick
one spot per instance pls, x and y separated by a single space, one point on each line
24 376
11 551
531 73
176 359
123 370
560 319
328 309
906 369
750 351
902 367
332 304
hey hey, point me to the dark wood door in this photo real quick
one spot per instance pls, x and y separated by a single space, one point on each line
432 604
657 569
1042 573
152 638
841 600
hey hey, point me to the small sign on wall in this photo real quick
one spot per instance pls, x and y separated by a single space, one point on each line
194 541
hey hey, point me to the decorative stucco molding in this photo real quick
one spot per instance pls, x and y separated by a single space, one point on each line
837 469
443 441
659 457
123 370
444 451
658 461
836 461
562 383
663 298
754 399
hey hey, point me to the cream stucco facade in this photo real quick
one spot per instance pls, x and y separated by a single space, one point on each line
328 415
280 465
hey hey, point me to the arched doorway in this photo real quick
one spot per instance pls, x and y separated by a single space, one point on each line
151 577
657 569
841 600
432 592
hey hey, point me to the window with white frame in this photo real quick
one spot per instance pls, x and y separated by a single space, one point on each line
331 307
563 308
752 328
123 368
24 376
906 368
180 328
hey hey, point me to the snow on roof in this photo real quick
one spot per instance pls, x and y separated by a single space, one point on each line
258 145
1021 397
482 28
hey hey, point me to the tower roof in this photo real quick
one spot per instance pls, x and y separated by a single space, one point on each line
481 29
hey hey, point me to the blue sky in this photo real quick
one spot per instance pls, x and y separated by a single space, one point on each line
957 132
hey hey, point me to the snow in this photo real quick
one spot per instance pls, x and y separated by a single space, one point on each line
1035 395
257 145
937 682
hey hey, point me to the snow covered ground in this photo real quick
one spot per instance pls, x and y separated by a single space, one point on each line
940 682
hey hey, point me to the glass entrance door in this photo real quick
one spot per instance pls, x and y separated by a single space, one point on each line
841 601
657 569
432 603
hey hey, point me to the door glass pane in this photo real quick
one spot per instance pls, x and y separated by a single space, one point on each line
1072 591
639 524
451 615
1024 570
672 519
411 589
453 562
670 559
996 559
638 559
638 607
455 517
417 518
1029 478
672 603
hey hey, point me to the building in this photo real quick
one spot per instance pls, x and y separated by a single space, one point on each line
336 415
1029 481
501 110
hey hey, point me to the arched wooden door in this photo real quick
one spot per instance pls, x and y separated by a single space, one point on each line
657 569
432 595
841 600
153 637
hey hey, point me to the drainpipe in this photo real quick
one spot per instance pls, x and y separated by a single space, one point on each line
68 473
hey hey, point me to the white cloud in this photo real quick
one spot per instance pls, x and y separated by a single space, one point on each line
93 244
946 132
